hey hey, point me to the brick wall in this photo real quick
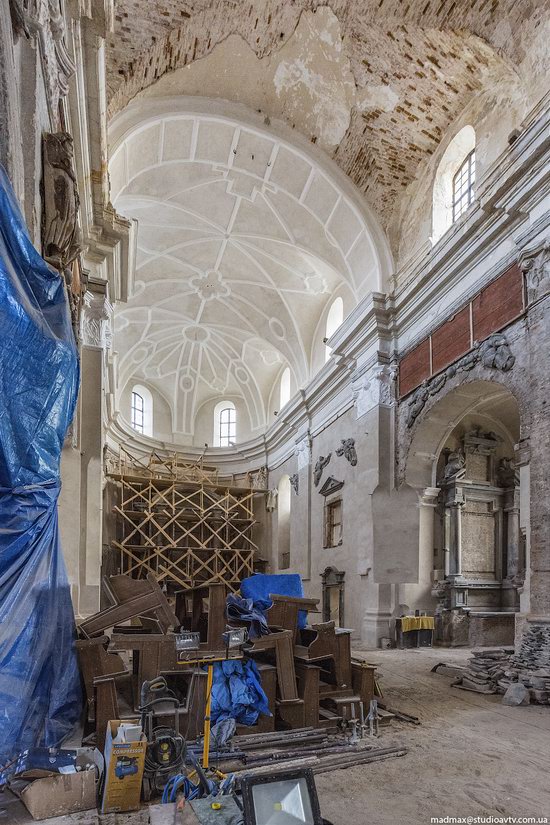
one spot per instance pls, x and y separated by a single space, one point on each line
489 311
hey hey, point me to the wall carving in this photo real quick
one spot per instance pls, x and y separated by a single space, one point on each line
320 465
295 482
493 353
348 451
536 268
258 478
95 324
373 388
61 239
303 453
43 20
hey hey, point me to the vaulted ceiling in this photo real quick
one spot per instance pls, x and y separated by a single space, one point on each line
401 71
243 240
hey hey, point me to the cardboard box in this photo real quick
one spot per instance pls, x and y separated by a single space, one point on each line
124 763
60 794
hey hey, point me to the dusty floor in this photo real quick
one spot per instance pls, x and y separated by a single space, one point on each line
472 756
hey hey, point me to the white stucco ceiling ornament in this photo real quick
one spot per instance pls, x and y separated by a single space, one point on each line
233 280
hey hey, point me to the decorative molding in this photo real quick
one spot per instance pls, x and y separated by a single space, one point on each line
295 482
535 265
375 387
303 452
96 317
331 485
320 465
348 450
493 353
61 239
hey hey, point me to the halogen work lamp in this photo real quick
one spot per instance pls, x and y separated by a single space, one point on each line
282 798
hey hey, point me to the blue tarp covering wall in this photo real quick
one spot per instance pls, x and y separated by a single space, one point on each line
39 679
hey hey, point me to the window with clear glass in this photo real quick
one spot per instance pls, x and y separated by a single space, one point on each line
228 426
138 412
463 186
333 523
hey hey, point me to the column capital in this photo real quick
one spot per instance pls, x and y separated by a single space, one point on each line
535 265
95 325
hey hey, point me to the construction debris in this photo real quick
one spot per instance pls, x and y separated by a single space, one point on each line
484 671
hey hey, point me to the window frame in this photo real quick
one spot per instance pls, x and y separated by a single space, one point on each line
227 430
135 411
466 171
330 525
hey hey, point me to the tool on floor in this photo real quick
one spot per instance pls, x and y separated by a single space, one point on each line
165 746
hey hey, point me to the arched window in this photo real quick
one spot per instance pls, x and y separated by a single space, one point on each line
141 410
454 184
225 424
283 523
334 319
284 388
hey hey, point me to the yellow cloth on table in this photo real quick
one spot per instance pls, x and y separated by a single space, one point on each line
417 623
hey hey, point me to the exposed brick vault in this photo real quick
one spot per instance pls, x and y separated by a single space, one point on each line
434 54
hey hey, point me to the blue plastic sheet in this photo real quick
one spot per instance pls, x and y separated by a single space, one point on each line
237 692
250 613
259 586
40 696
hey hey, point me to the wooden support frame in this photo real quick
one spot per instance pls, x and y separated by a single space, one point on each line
177 521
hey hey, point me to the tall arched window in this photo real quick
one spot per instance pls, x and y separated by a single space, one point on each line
283 523
334 319
225 424
454 184
284 388
141 410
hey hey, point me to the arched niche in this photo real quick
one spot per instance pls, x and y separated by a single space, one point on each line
283 522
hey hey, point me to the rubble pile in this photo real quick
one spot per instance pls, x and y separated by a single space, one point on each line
485 671
531 665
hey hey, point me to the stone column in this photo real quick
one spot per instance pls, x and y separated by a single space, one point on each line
95 331
511 508
535 263
455 549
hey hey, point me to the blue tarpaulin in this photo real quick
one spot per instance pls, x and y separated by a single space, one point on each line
237 692
259 586
40 697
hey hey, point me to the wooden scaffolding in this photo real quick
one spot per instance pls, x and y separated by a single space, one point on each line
181 522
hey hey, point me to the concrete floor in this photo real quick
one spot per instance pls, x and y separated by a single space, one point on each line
472 756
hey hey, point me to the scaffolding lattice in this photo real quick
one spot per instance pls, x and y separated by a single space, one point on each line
179 522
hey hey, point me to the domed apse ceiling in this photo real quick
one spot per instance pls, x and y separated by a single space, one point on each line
243 240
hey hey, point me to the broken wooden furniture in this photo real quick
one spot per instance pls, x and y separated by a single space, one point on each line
96 662
284 612
290 706
139 598
325 643
211 623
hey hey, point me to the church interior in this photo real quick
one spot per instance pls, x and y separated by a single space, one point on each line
275 425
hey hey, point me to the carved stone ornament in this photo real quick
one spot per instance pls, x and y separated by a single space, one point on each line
95 325
271 500
348 450
295 482
331 485
43 21
455 465
493 353
258 478
507 474
61 241
536 267
373 388
320 465
303 453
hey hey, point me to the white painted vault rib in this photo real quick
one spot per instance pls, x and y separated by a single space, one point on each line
243 240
